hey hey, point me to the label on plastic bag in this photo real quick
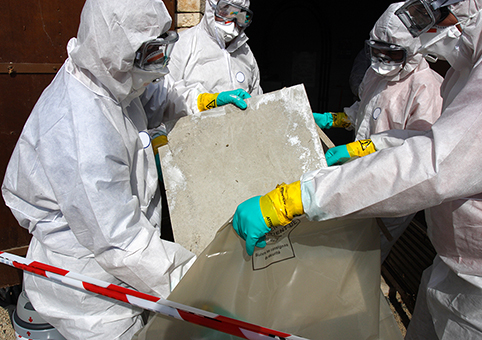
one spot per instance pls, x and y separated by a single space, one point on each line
278 247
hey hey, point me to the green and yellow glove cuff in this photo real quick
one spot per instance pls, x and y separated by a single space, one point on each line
340 120
281 205
157 142
361 148
207 101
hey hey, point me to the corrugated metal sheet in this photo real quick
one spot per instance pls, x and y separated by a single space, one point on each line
409 257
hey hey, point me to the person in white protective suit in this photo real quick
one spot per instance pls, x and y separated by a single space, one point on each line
82 178
214 57
399 91
435 170
360 65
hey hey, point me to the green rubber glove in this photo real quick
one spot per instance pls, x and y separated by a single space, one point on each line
254 217
337 155
327 120
340 120
206 101
235 97
342 153
323 120
248 222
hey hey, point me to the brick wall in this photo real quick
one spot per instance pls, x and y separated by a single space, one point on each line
188 13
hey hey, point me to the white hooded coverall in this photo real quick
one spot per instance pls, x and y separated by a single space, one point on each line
409 100
201 62
438 170
83 180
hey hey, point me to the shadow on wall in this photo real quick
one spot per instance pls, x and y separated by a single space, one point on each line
314 43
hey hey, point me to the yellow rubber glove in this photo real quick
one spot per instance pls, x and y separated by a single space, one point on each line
207 101
279 206
254 217
340 120
157 142
361 148
342 153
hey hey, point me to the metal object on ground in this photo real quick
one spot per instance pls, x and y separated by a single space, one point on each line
28 324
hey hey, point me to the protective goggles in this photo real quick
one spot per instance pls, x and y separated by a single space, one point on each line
154 54
232 12
420 15
387 53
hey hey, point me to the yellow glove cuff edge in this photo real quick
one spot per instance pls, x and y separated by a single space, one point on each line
158 142
285 202
361 148
268 211
341 120
206 101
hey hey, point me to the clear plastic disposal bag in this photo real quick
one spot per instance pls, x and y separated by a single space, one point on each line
318 280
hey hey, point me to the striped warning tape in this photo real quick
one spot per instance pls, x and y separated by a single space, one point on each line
176 310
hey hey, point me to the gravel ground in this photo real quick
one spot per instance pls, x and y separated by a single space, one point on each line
398 318
6 329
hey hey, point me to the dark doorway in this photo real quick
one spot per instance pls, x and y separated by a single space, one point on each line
314 43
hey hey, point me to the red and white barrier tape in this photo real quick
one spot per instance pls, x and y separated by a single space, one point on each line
176 310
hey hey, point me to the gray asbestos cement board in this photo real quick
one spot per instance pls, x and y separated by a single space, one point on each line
218 159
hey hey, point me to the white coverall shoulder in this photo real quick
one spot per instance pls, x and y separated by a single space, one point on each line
468 14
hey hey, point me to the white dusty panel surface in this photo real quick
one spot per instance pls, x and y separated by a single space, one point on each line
218 159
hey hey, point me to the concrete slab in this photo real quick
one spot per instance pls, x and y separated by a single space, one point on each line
218 159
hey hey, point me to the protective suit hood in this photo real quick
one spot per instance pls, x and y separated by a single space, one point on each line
465 9
468 12
109 36
208 24
389 28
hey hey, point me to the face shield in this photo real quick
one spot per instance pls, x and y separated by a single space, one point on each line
230 12
386 59
153 55
389 54
420 15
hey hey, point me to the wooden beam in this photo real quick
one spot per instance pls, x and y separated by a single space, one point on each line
12 276
29 68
